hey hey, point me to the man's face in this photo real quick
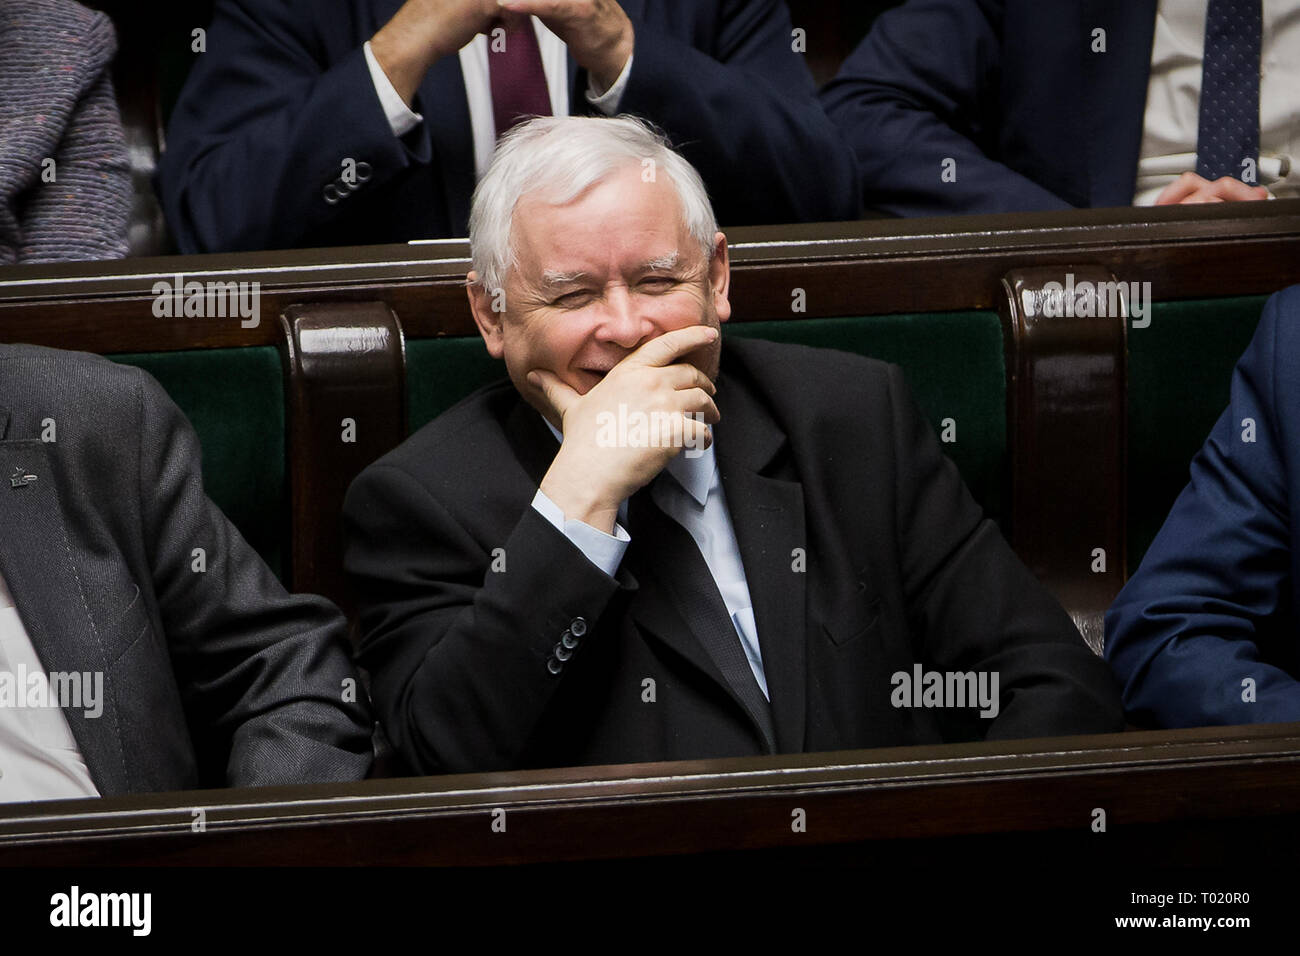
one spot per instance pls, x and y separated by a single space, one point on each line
598 277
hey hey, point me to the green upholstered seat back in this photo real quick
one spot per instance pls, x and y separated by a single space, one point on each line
1180 370
953 362
235 400
440 372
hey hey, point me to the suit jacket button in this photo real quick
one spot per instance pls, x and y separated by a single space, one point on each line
568 640
554 666
562 653
579 627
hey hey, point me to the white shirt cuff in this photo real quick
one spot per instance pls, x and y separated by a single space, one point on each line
603 550
607 102
400 117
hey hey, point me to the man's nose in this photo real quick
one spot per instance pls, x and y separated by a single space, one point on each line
621 321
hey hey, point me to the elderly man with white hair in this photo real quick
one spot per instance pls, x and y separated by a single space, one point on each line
652 543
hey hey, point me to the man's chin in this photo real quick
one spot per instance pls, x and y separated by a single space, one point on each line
706 359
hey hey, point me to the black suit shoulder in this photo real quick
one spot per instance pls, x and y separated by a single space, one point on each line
798 385
804 371
93 411
464 443
36 374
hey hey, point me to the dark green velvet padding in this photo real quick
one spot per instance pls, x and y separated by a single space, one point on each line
953 362
235 400
1179 374
440 372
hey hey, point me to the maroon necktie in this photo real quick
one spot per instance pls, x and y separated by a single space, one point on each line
518 80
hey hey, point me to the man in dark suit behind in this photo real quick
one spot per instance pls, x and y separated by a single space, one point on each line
121 571
985 106
544 578
361 121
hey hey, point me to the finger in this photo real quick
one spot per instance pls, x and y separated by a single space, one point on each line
1181 188
696 401
1234 190
704 405
558 393
671 346
684 375
1200 197
696 434
512 20
542 9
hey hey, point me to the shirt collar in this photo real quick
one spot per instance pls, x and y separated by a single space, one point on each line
696 474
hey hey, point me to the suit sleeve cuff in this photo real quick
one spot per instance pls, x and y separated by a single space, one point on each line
603 550
608 101
401 118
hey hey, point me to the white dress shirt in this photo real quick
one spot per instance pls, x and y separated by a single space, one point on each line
692 495
39 757
478 90
1172 120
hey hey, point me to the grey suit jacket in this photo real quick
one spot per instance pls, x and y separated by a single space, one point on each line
211 677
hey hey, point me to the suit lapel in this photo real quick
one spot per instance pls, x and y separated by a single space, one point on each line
578 105
37 564
767 515
658 614
1116 82
532 441
664 612
446 110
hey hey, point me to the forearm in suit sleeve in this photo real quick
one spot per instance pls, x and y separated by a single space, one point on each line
1186 631
904 100
262 127
457 634
976 605
747 118
266 677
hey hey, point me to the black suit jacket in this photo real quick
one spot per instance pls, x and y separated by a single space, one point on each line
900 567
211 678
282 96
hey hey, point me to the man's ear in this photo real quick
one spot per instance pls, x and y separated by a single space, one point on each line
488 309
720 277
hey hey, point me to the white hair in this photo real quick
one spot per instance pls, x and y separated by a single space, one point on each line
563 156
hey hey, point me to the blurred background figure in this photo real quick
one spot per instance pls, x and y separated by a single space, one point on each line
65 186
957 106
366 121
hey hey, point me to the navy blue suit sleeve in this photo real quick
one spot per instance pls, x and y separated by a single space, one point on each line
1189 627
745 114
264 125
910 97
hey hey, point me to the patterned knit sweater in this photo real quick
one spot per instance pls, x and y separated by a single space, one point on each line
65 181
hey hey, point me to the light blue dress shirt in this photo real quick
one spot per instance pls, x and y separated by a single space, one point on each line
694 498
